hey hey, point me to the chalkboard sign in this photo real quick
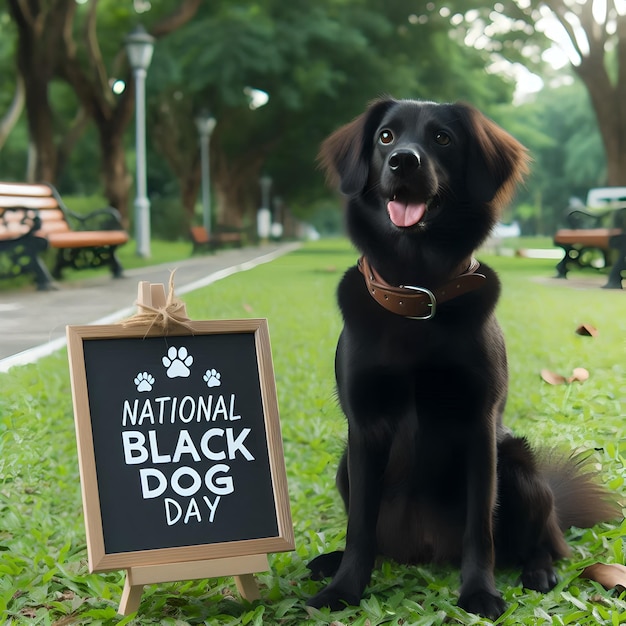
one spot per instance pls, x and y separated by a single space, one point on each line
179 443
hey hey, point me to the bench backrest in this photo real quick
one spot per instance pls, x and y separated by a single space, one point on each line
33 196
14 224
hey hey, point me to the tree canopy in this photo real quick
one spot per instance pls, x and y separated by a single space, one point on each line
320 63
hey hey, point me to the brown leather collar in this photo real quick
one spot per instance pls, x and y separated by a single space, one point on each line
418 302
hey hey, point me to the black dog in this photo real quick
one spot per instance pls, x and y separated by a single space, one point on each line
430 473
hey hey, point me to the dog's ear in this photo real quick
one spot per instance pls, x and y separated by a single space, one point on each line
497 162
346 154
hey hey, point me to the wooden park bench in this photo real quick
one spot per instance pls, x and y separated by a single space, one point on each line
221 236
34 218
595 235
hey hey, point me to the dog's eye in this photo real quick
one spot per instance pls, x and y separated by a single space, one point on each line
442 138
385 137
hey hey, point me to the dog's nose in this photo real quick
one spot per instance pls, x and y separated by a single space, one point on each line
404 161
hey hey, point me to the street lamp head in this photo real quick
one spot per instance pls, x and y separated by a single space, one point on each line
256 97
139 48
205 123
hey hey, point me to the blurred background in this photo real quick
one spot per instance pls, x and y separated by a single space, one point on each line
261 83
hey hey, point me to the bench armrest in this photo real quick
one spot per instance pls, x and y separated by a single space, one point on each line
106 218
579 218
585 217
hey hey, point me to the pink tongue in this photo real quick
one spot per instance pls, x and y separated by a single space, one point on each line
405 215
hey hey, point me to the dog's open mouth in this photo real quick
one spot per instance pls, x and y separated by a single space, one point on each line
405 213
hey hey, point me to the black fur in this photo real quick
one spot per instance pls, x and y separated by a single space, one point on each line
430 474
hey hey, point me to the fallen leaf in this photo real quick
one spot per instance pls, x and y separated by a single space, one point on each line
587 330
247 308
580 374
552 378
609 575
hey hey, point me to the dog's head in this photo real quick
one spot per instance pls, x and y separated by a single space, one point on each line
425 170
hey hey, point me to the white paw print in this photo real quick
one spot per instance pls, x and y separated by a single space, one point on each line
144 381
212 378
177 362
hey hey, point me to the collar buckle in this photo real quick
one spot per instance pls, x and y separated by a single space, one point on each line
432 304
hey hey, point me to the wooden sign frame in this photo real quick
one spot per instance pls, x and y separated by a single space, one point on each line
240 557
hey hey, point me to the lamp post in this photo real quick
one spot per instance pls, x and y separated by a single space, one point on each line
205 125
277 221
139 48
264 216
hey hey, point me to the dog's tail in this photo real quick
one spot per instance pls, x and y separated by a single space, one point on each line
579 499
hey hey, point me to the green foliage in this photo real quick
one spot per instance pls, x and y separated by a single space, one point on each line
562 134
44 577
320 63
84 204
168 221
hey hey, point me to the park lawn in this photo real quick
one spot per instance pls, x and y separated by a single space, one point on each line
43 571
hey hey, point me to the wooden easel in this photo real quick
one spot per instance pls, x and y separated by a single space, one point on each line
241 567
151 294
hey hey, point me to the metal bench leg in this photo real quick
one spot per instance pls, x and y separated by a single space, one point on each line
615 277
42 275
561 266
35 265
116 267
59 264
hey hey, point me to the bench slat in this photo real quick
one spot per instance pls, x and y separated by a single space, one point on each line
28 202
592 237
50 228
53 221
24 189
86 239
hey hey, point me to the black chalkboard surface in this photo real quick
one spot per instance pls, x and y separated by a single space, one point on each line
179 443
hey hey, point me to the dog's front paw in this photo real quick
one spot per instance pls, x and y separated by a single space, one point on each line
334 598
539 579
325 565
483 603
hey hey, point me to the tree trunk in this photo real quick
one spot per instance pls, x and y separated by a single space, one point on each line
616 166
175 137
237 192
40 30
15 110
68 142
610 114
40 127
40 26
115 177
608 98
189 188
611 118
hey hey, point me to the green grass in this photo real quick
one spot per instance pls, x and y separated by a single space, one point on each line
43 572
527 242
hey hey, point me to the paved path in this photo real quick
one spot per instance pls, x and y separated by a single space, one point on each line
32 323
